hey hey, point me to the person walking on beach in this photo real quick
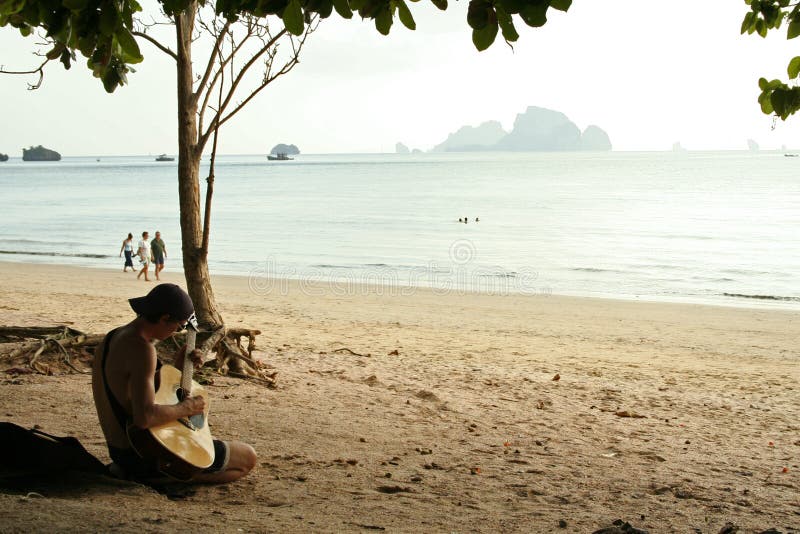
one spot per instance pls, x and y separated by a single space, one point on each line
123 377
159 253
144 256
127 248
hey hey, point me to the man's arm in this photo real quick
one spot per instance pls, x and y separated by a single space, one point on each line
146 413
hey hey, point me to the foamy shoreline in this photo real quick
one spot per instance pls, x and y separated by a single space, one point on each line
393 287
447 417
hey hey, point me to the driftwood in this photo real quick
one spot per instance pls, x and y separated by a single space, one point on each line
59 349
345 349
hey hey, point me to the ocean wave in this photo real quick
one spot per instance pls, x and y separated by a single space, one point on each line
55 254
62 243
595 270
763 297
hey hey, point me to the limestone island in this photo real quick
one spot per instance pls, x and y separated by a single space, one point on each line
536 130
40 153
3 157
289 150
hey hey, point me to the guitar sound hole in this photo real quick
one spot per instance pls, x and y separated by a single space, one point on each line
181 394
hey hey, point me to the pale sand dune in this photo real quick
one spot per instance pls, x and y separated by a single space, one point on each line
465 424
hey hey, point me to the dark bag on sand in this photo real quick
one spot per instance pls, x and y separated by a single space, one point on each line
33 452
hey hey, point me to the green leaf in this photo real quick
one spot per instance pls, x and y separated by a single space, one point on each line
747 23
383 21
293 18
66 58
506 25
129 46
9 7
483 38
108 19
778 101
441 4
561 5
75 5
766 105
794 29
761 28
478 14
534 15
794 67
405 15
56 51
343 9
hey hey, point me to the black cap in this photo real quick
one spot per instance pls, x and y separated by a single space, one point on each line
166 299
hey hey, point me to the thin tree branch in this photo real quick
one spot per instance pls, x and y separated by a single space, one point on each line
266 48
210 182
296 47
234 50
38 70
158 45
212 60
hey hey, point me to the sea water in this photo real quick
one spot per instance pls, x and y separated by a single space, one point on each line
717 227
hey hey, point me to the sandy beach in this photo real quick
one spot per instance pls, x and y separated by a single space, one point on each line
449 419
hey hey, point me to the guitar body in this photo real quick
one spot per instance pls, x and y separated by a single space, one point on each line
180 449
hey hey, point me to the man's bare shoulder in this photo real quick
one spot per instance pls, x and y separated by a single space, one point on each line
131 349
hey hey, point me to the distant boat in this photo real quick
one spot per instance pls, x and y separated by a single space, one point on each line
791 155
164 157
281 156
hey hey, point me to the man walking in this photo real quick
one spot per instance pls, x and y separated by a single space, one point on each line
144 256
159 253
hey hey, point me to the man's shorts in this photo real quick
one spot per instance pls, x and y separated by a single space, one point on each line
136 468
159 259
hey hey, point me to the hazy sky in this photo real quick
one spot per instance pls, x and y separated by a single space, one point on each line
649 73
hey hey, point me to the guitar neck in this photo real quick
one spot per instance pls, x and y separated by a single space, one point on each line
188 365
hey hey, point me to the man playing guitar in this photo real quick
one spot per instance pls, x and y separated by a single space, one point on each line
124 376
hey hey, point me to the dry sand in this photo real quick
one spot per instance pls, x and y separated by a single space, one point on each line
463 429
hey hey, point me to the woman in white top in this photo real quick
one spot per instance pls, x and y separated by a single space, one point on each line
127 248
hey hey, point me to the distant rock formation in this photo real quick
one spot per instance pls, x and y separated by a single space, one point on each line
417 151
542 129
595 138
40 153
280 148
752 146
3 157
536 130
676 147
468 138
400 148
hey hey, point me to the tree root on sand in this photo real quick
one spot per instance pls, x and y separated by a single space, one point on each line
65 350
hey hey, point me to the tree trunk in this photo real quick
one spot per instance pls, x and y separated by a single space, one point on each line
195 260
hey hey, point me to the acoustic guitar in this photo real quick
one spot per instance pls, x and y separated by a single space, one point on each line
183 448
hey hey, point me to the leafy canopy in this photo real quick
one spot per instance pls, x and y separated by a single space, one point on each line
776 96
102 30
